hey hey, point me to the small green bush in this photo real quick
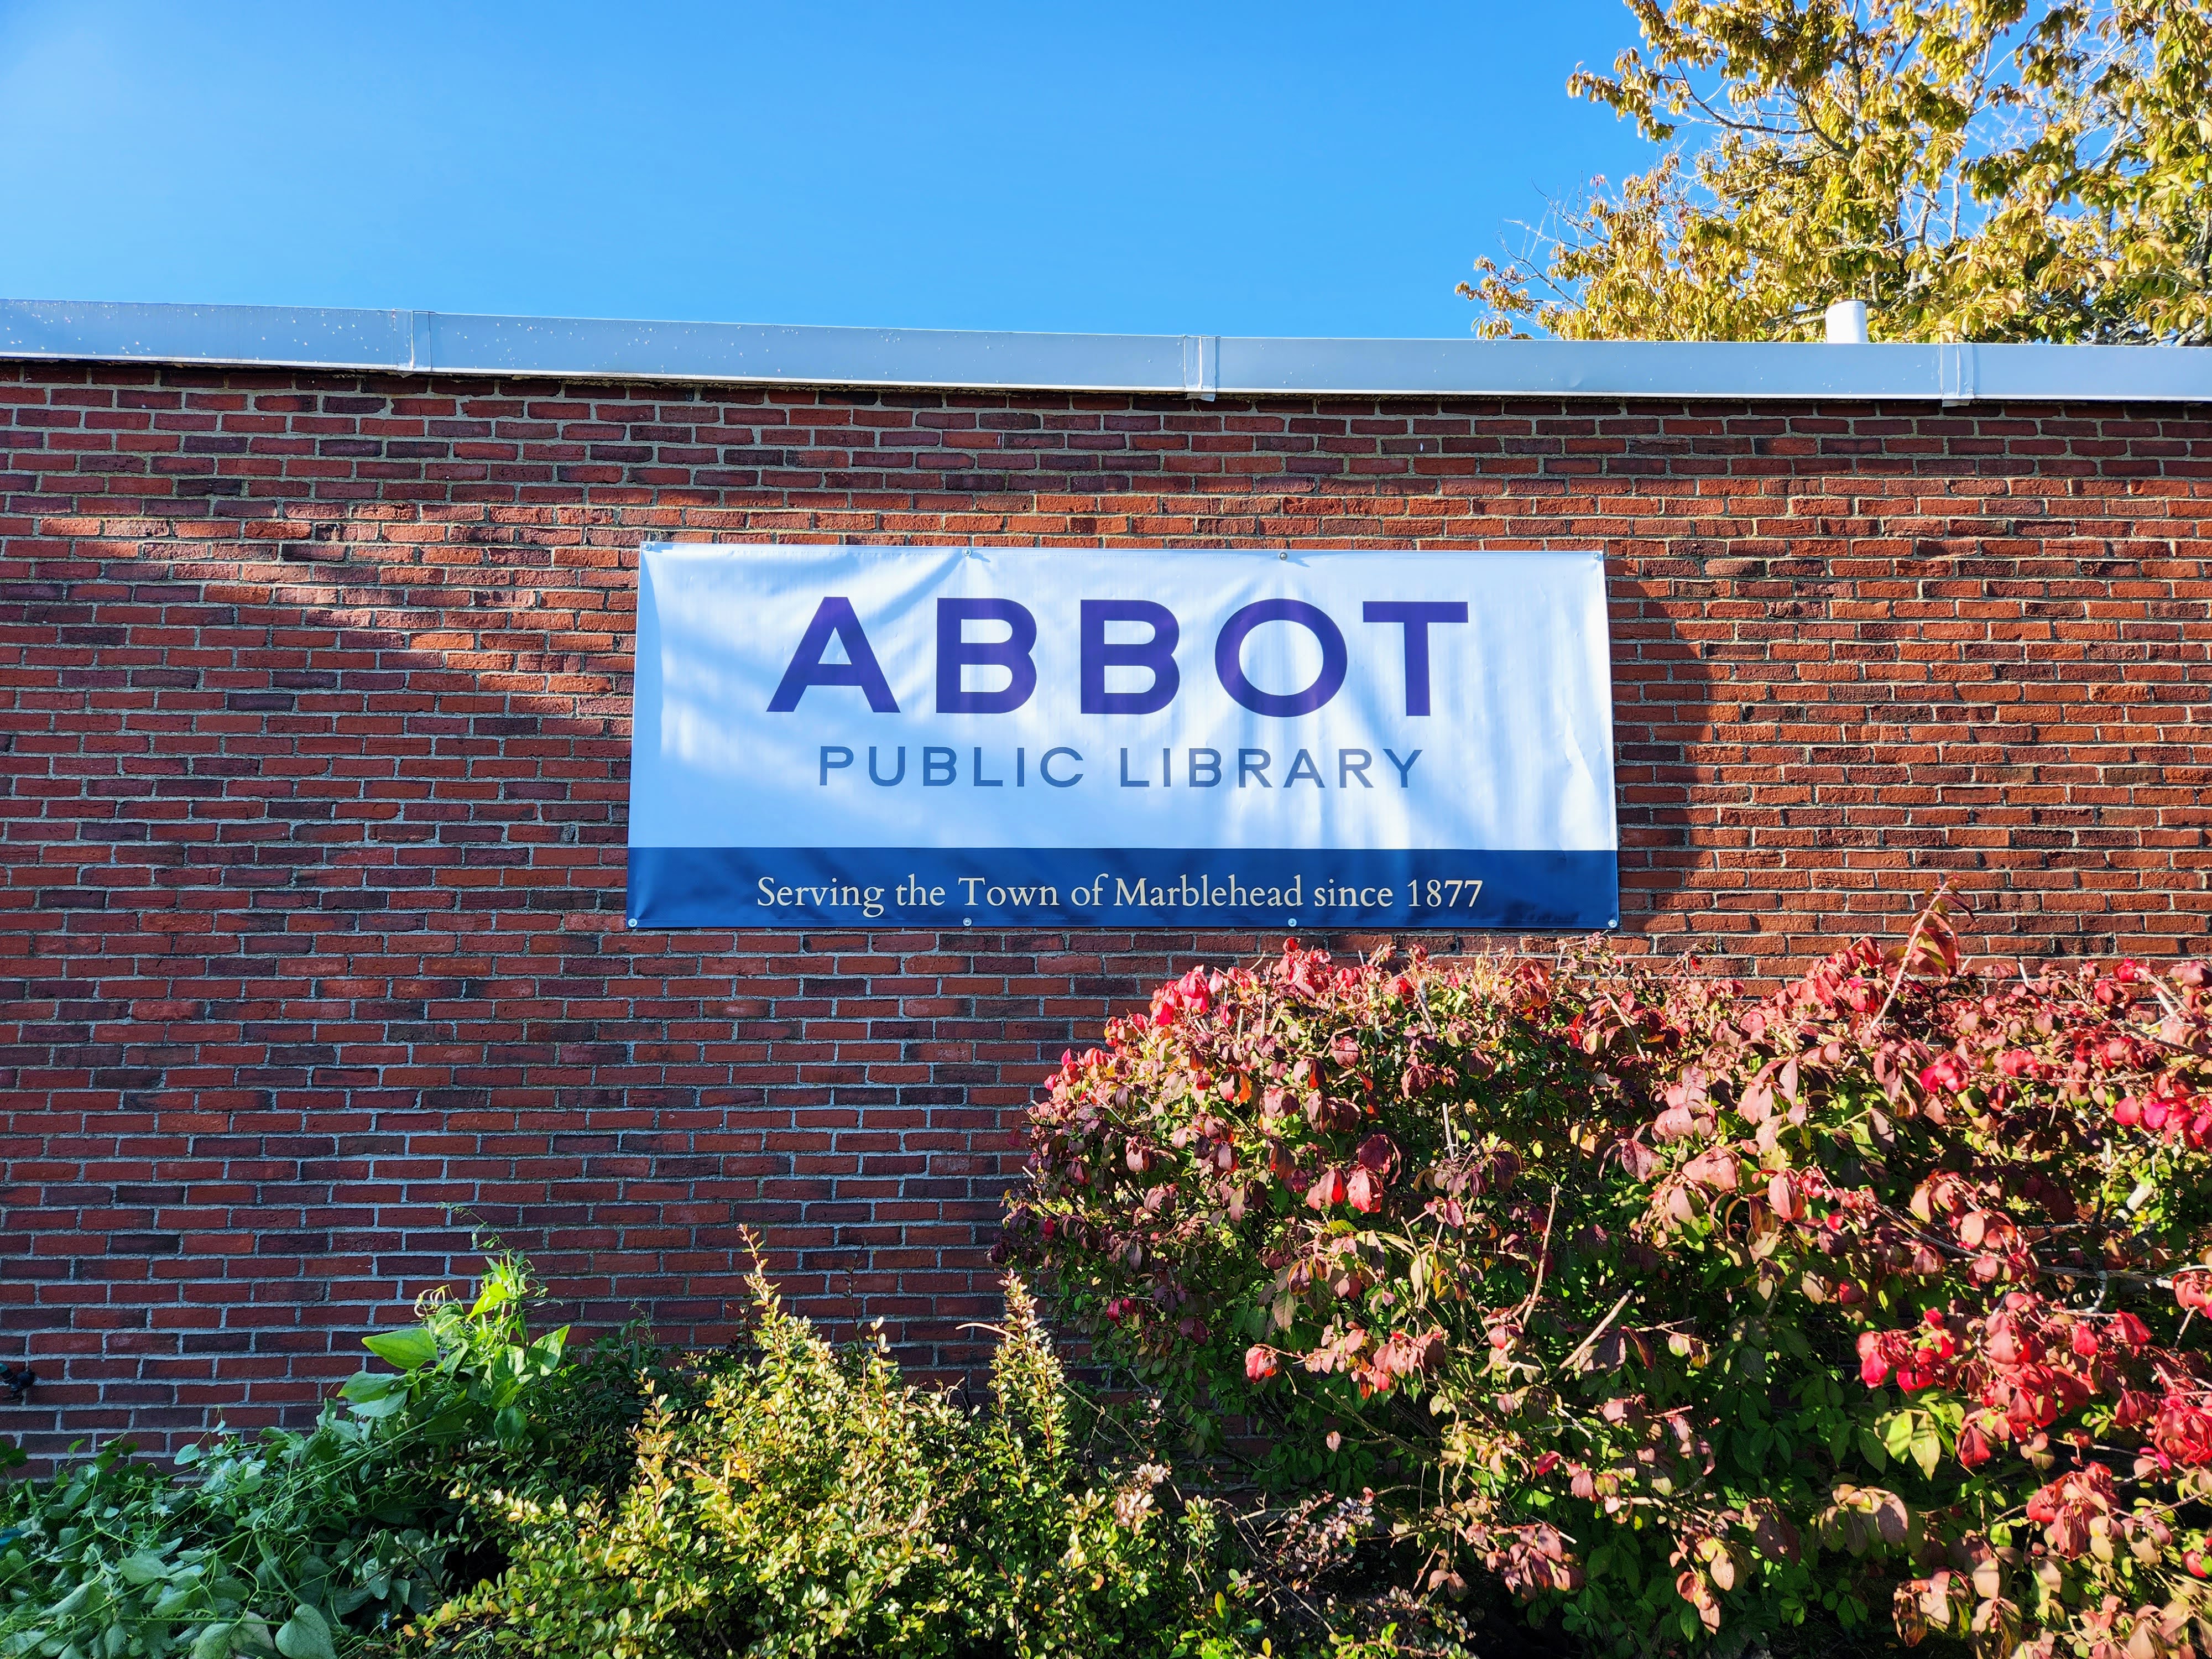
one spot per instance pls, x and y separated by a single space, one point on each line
287 1543
804 1501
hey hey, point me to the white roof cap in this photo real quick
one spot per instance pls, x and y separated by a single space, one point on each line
1195 365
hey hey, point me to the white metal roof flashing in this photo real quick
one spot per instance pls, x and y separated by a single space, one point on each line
1192 365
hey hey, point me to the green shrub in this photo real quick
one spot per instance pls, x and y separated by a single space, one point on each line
1688 1318
288 1543
804 1501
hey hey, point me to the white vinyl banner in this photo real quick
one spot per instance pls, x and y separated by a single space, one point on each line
885 736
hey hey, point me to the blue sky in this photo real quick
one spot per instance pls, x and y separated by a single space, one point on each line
1204 168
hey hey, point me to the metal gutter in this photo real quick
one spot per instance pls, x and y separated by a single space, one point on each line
1191 365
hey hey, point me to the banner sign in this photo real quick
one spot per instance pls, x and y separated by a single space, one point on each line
906 736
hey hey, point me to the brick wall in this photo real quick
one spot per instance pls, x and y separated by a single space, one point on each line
316 693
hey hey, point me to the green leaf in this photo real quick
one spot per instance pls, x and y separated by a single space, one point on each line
409 1350
175 1598
368 1385
1871 1448
213 1642
1897 1434
143 1568
305 1635
545 1352
1927 1451
72 1604
384 1407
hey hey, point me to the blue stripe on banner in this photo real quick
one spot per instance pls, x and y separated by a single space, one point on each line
1122 887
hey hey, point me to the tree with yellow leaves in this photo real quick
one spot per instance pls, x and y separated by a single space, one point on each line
1973 169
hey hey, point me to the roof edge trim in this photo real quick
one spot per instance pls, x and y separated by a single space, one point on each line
590 348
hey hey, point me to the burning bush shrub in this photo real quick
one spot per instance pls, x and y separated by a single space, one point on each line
1675 1311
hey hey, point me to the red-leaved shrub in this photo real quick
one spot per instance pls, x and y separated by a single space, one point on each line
1675 1311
